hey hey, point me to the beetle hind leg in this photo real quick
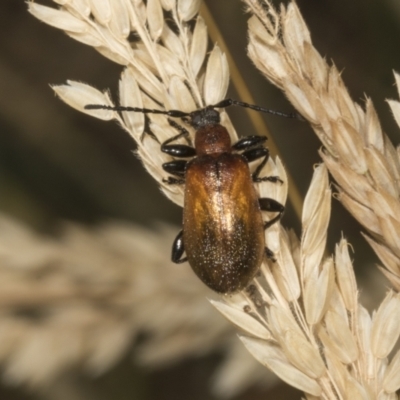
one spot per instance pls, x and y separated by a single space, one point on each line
270 254
271 205
178 249
173 181
273 179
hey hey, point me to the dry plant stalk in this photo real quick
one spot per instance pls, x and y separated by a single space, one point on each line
301 316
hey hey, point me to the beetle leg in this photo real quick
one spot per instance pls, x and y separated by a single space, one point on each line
181 129
173 181
176 168
270 254
255 154
178 249
248 141
178 150
273 179
271 205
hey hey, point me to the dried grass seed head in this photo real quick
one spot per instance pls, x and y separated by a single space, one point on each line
365 166
358 154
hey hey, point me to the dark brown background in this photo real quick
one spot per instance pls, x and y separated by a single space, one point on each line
56 163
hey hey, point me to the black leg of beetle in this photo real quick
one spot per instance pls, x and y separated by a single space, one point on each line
249 141
176 168
256 173
178 150
181 129
272 221
270 254
271 205
255 154
267 204
178 249
173 181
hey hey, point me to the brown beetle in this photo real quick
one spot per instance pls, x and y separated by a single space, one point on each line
223 229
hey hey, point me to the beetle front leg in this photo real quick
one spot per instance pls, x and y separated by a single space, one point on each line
178 249
178 150
177 167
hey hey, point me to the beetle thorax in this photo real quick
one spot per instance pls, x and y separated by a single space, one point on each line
212 139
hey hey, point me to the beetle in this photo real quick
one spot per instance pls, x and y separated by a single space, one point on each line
223 228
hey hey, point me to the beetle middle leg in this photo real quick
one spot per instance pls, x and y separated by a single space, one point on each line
253 150
271 205
176 168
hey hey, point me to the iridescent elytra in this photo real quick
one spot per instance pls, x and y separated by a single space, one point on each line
223 228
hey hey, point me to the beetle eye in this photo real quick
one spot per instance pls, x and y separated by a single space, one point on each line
213 116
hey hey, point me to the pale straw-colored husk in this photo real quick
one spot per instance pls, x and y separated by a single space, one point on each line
300 317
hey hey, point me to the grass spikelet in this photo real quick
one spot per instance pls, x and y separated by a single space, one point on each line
356 151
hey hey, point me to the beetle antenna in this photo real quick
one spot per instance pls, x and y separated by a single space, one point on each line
230 102
181 114
170 113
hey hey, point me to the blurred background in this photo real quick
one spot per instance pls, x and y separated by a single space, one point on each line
60 168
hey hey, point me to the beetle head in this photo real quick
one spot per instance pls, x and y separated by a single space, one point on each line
205 116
